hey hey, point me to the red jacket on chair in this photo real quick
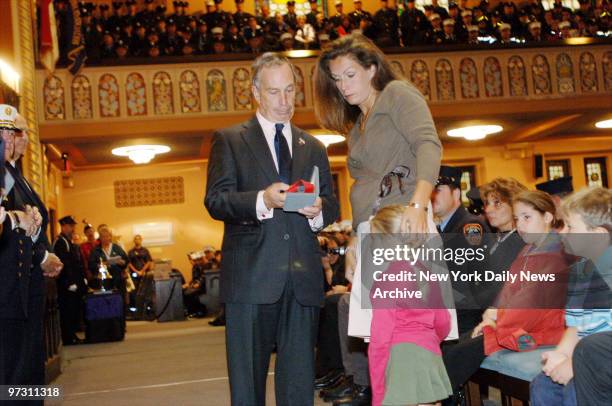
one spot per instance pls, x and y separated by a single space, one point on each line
531 313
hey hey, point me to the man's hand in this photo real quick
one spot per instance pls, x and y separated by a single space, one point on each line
312 211
563 373
52 266
33 211
27 222
551 360
274 196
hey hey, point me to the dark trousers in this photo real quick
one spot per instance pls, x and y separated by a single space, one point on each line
191 297
329 356
22 356
253 331
354 350
592 363
544 392
462 358
70 307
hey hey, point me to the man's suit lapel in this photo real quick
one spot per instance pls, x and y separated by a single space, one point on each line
299 155
254 137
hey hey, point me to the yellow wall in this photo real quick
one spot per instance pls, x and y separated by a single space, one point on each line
494 161
93 198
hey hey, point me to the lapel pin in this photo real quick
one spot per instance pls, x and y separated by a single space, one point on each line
301 141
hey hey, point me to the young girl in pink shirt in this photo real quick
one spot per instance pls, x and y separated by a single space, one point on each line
406 366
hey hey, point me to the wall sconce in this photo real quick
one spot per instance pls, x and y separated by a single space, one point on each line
9 76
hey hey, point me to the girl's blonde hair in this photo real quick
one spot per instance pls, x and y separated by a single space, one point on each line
594 205
388 219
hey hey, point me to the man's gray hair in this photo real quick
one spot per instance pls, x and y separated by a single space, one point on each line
268 60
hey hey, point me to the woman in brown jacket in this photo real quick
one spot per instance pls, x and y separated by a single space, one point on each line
394 149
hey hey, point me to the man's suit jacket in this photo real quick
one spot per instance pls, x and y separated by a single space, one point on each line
20 273
260 256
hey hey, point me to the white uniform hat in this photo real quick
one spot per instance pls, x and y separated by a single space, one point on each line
8 115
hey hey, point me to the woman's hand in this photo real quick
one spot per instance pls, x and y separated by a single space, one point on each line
350 259
478 330
414 220
490 314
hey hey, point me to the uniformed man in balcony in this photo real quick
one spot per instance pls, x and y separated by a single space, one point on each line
291 17
358 14
241 17
473 35
337 18
449 32
218 17
130 16
311 16
202 38
115 19
147 16
413 24
535 32
435 35
386 24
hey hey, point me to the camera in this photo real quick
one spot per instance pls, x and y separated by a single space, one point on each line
337 251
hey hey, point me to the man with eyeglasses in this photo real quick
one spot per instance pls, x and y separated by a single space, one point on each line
24 261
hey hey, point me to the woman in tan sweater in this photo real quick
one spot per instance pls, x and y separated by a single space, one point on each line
394 149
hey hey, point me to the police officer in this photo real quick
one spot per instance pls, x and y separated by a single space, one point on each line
311 16
71 282
24 261
147 16
241 17
413 24
218 17
358 14
386 24
291 17
339 16
459 230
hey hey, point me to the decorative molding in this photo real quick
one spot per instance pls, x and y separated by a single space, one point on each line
149 192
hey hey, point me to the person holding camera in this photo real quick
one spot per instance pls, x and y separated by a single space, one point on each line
196 287
329 356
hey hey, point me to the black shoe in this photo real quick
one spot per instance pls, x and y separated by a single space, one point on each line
456 399
217 322
328 380
361 396
344 388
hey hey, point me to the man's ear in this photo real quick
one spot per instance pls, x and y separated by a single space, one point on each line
255 92
457 194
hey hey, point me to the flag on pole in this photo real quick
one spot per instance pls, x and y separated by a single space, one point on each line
76 52
49 50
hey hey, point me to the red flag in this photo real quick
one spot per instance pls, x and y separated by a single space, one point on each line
49 50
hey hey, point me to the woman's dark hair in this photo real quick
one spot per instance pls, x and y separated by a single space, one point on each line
541 202
331 110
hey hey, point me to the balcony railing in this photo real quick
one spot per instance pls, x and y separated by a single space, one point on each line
208 86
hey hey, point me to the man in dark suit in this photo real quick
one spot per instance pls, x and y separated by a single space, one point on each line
24 261
71 283
271 279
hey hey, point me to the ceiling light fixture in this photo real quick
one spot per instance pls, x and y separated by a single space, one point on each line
475 132
141 154
604 124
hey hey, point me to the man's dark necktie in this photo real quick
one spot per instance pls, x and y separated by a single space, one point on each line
283 156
